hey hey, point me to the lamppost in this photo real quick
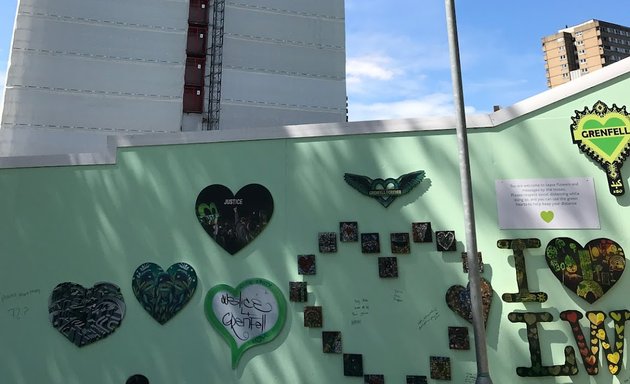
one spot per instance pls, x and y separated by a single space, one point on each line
474 277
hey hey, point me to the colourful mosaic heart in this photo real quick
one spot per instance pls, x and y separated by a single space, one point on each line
458 300
588 271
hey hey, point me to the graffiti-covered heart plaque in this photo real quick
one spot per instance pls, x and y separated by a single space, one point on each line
458 300
85 315
253 313
589 271
164 294
604 134
233 221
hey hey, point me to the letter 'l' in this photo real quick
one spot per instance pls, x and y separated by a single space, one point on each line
531 319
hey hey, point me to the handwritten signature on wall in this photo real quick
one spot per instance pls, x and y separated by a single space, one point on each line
16 309
428 318
360 309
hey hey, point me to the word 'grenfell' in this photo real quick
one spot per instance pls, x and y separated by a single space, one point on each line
605 132
240 325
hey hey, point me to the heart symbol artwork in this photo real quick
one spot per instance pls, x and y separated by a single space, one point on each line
164 294
547 216
385 191
589 271
445 241
251 314
458 300
85 315
233 221
603 133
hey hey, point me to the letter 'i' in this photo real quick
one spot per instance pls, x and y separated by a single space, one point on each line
523 295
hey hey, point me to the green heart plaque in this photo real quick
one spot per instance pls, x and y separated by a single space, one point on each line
604 134
251 314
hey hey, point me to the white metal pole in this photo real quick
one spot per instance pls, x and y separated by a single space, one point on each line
474 277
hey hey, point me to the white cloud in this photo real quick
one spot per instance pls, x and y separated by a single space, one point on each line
366 74
437 104
374 67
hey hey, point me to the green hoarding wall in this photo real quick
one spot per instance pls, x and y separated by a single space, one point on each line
95 223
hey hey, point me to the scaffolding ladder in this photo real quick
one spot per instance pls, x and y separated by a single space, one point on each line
216 65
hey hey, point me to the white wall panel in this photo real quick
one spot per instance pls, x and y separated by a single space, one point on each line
283 59
239 116
45 71
76 110
275 89
52 35
307 31
157 14
330 9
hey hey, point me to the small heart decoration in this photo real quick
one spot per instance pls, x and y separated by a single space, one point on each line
445 241
613 358
388 188
613 368
164 294
85 315
458 300
588 271
547 216
595 318
306 264
234 221
251 314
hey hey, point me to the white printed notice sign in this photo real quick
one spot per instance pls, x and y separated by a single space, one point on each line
547 203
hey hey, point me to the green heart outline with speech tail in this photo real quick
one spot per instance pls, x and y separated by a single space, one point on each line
263 338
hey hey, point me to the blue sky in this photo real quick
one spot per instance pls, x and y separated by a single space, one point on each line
397 51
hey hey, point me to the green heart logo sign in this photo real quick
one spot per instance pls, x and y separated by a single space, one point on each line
604 134
251 314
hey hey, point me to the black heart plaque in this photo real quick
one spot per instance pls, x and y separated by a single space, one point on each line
164 294
85 315
233 221
589 271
